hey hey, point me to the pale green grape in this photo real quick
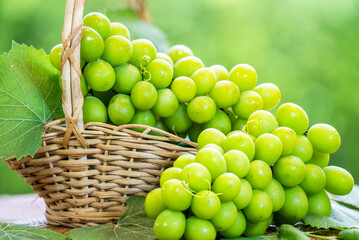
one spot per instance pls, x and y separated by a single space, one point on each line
196 176
184 88
293 116
325 138
220 121
303 149
98 22
225 93
227 185
166 104
270 94
197 228
211 135
244 76
201 109
226 216
295 205
268 148
338 180
187 66
242 142
237 162
119 29
221 72
169 224
276 193
206 204
319 204
205 79
161 73
177 52
244 196
154 204
184 160
320 159
237 228
288 138
314 180
259 174
261 122
175 196
289 170
260 207
248 102
170 173
213 160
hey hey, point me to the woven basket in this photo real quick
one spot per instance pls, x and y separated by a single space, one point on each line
86 172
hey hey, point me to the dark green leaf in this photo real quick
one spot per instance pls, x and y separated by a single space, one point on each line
263 237
349 234
105 231
10 231
30 97
288 232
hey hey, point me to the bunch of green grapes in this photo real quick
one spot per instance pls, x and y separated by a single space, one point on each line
274 170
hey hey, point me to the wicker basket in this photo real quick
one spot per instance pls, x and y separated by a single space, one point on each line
85 173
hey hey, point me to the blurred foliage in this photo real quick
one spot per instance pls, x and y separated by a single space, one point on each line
308 48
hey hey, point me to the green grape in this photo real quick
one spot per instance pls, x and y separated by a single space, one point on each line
154 204
161 73
143 95
127 76
249 102
120 29
260 207
205 204
118 50
184 160
261 122
94 110
244 196
259 174
255 229
228 185
268 148
99 75
211 135
169 224
166 104
325 138
55 56
319 203
270 94
92 45
237 228
225 93
143 117
105 97
212 145
226 216
196 176
242 142
303 149
179 122
205 79
170 173
175 196
142 48
197 228
293 116
237 162
184 88
276 193
213 160
165 57
289 170
288 138
221 72
320 159
295 205
194 131
178 52
186 66
338 180
220 121
121 109
239 124
314 180
244 76
99 22
201 109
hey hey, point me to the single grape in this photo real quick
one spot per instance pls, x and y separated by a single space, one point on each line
121 109
118 50
187 66
303 149
100 75
242 142
212 145
154 204
239 124
119 29
179 122
288 138
197 228
196 176
220 121
165 57
55 56
226 216
94 110
314 180
211 135
143 117
201 109
143 95
127 76
213 160
248 102
169 224
244 196
268 148
225 93
320 159
259 174
227 185
142 48
261 122
238 227
295 205
319 203
276 193
161 73
178 52
237 162
175 196
289 170
221 72
194 131
205 204
170 173
255 229
338 180
270 94
244 76
99 22
325 138
166 104
260 207
293 116
184 88
184 160
92 45
205 79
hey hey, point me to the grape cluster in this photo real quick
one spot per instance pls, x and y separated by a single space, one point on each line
271 170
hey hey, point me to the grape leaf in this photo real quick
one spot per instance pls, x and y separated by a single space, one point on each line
10 231
30 97
104 231
288 232
351 199
349 234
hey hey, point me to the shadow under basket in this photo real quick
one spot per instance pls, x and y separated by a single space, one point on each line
89 186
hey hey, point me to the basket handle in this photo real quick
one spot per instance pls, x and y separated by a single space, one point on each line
72 98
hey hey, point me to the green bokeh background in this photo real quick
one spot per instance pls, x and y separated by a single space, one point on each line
308 48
